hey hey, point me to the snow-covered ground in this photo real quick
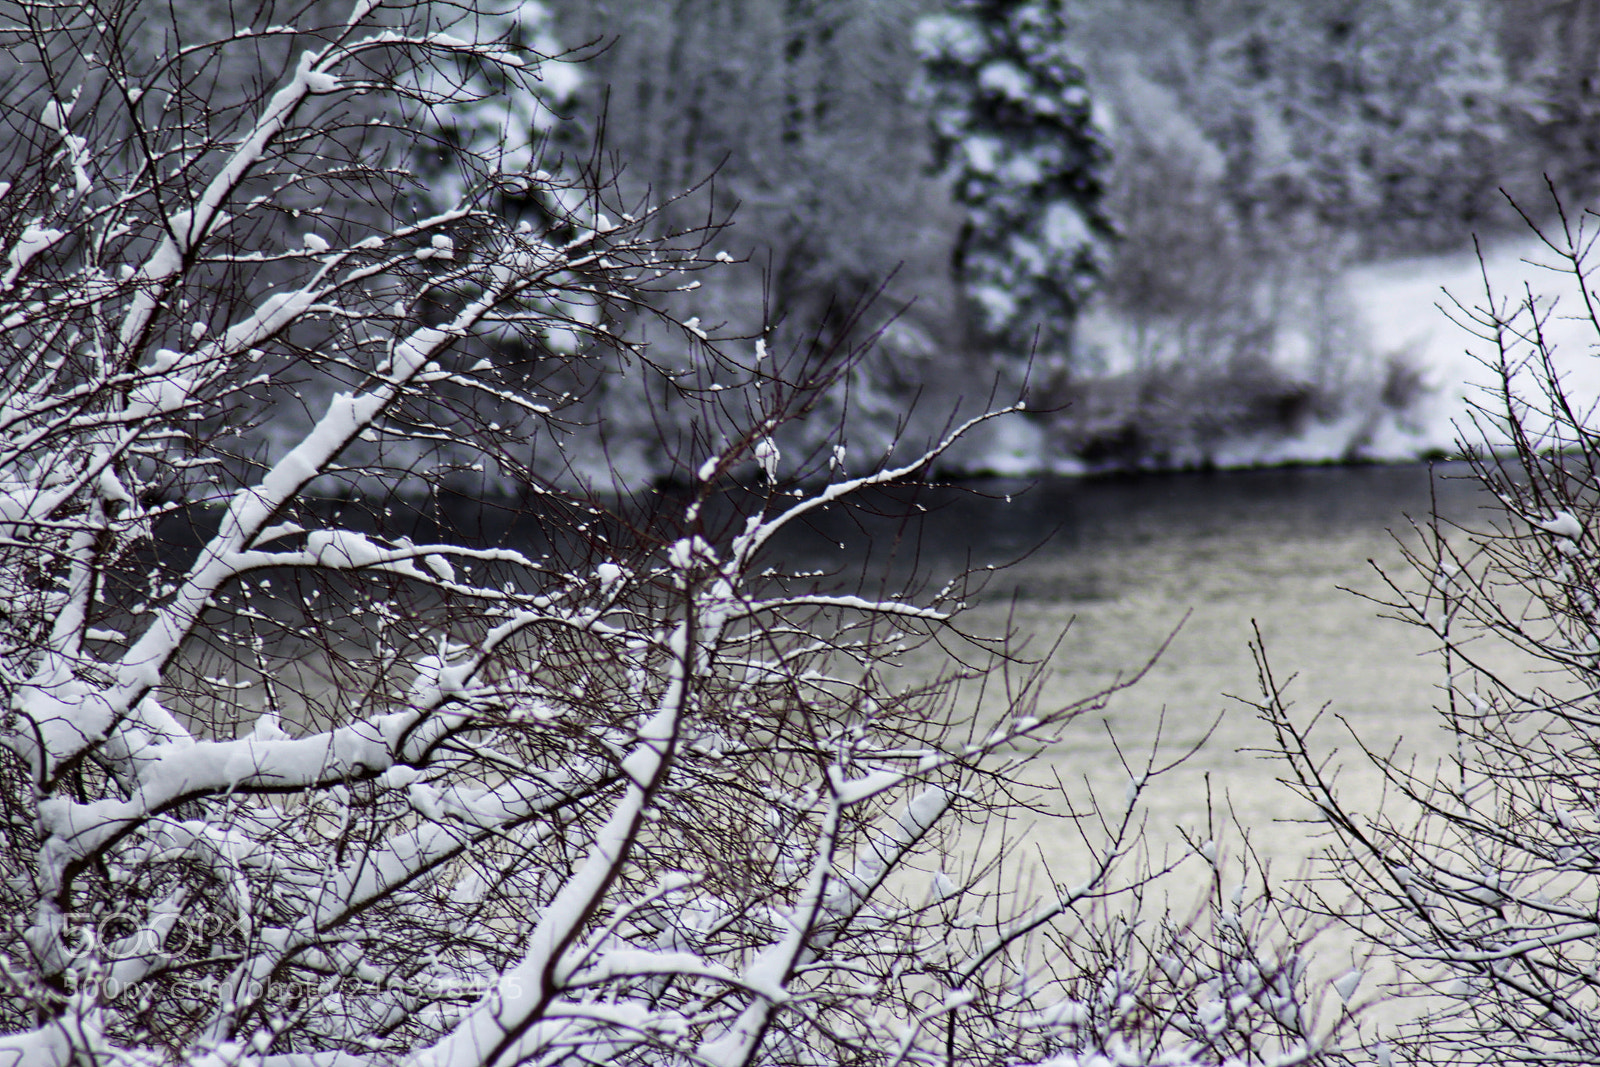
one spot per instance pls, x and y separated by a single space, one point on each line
1409 307
1414 312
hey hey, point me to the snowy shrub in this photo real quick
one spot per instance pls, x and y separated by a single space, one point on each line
1476 878
303 766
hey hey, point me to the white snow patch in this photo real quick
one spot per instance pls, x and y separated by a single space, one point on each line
689 552
319 81
1064 229
1562 524
158 396
952 36
767 456
1007 79
1399 305
342 549
609 575
33 240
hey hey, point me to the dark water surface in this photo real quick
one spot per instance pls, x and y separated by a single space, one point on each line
1115 567
1207 559
997 521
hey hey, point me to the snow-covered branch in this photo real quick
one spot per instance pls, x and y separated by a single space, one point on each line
362 705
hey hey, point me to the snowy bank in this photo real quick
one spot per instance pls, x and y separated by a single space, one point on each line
1399 370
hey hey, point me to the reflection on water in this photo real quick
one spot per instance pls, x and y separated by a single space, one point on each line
1120 565
1205 558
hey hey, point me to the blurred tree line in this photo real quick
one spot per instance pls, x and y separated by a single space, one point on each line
1229 160
1255 149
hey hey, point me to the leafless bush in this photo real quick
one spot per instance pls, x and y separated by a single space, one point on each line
1476 878
339 784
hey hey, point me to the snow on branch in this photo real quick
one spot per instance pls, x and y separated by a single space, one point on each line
364 704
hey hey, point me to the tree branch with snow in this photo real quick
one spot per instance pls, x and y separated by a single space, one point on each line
311 758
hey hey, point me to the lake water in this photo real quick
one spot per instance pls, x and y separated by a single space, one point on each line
1116 568
1120 565
1205 559
1123 564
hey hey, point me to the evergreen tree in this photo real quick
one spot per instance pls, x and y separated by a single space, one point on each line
1012 127
475 111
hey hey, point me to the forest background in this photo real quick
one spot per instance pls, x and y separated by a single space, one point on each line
1242 158
295 774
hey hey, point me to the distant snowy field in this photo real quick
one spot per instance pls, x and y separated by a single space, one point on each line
1400 304
1407 306
1400 308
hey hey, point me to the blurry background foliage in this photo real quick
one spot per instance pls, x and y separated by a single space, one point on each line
1244 152
1139 213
